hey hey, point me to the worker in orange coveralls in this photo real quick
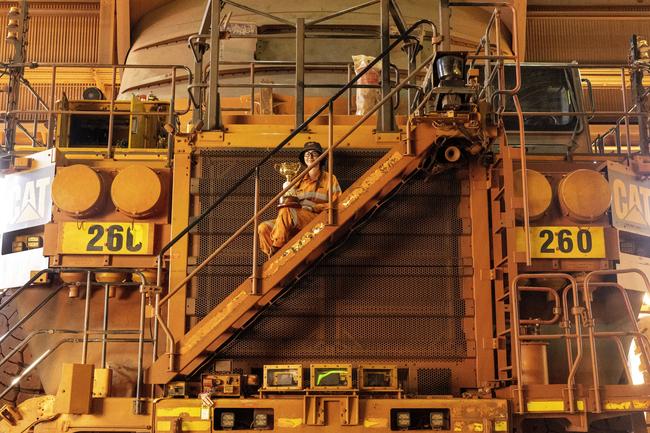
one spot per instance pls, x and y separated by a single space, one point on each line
311 192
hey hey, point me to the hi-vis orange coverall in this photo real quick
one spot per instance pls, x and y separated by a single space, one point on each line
313 199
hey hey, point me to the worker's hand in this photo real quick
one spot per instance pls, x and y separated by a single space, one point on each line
309 208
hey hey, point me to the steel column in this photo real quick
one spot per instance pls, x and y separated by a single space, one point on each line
445 17
137 403
197 89
15 77
255 282
84 346
214 110
331 212
300 71
105 326
386 119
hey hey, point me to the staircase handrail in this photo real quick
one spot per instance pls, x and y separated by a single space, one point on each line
284 142
43 356
85 332
37 275
329 104
19 290
572 285
53 293
591 329
255 170
33 334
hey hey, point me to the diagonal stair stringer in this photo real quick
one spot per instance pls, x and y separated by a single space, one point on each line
238 308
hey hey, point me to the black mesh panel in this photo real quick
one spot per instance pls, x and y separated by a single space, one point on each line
390 292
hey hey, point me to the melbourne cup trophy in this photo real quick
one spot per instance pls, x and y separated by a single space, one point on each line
289 170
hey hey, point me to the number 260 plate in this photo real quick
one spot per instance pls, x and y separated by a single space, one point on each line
564 242
107 238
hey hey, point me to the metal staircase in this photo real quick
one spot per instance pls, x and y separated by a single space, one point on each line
191 349
247 300
425 135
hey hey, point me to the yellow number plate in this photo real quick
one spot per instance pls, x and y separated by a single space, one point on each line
107 238
564 242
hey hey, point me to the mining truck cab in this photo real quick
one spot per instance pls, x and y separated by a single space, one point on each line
555 108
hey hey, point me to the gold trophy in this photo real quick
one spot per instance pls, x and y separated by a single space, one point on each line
289 170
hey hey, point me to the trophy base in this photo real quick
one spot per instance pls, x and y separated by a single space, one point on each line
290 201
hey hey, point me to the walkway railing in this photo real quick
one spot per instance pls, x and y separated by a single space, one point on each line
254 172
578 316
81 336
501 91
46 104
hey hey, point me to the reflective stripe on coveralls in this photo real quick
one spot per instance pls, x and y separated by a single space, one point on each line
313 197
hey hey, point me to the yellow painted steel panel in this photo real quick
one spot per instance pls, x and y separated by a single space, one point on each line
550 406
193 411
289 422
627 405
191 426
545 406
107 238
375 422
564 242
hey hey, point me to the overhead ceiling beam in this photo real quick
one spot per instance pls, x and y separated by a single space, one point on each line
123 29
521 6
106 48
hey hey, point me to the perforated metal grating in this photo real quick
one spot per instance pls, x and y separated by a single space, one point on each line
391 292
434 381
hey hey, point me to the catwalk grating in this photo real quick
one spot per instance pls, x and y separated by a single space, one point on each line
391 292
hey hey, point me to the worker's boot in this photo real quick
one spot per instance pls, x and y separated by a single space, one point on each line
273 250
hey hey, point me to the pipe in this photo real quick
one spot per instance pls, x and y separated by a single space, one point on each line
32 334
331 212
627 120
255 282
154 338
524 178
84 346
104 326
252 107
111 116
341 12
50 125
556 308
16 380
138 383
515 322
171 120
29 315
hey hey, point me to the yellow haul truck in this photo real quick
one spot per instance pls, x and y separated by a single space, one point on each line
462 281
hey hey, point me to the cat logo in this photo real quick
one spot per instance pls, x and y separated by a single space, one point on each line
630 200
29 198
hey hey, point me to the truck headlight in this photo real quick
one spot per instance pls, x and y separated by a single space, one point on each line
261 421
437 420
227 420
403 420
